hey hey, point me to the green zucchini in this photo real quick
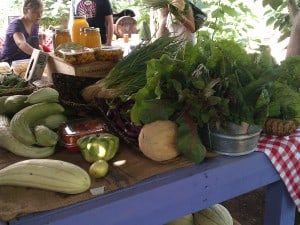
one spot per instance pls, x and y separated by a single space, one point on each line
53 121
2 101
46 94
22 122
15 103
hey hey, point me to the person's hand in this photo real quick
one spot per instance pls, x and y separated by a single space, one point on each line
175 12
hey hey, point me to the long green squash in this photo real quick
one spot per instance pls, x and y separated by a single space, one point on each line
47 174
22 122
10 143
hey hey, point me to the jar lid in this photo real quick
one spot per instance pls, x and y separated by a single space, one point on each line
61 31
82 29
92 29
79 17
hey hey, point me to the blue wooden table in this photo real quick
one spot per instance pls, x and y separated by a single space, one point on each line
171 195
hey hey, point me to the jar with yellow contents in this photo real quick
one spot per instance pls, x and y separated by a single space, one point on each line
78 22
92 37
61 36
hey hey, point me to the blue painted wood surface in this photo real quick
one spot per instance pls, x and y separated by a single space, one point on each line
171 195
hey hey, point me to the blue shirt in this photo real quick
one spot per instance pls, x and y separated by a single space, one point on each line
11 51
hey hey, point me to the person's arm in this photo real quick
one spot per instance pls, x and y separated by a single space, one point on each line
110 29
20 41
162 22
188 21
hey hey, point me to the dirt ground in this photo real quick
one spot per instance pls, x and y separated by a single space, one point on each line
248 209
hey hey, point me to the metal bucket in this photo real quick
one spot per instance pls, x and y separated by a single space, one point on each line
235 140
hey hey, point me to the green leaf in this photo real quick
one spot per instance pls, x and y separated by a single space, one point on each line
188 141
153 110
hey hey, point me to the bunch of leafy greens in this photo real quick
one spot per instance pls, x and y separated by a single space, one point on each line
213 82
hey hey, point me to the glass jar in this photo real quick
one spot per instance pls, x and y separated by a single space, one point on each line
78 22
82 37
92 37
61 36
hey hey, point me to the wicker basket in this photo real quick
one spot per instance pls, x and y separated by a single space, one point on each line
19 91
280 127
70 87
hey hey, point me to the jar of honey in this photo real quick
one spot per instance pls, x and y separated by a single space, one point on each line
78 22
92 37
82 37
61 36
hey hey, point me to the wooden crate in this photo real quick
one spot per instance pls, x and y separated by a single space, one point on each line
97 69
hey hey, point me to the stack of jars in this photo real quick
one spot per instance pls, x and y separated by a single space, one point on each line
85 35
81 33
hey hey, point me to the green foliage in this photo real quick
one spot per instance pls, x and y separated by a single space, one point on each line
55 12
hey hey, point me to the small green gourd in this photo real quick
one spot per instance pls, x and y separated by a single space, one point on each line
45 136
22 122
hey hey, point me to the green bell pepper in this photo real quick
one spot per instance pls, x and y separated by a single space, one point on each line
101 146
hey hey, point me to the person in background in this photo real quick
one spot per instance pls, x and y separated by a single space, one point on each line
98 14
22 33
182 27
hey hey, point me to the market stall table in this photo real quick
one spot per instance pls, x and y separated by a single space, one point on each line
170 195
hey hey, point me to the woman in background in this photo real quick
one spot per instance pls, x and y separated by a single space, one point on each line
182 27
22 33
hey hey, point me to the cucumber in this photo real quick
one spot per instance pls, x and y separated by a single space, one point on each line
22 122
15 103
46 94
47 174
13 145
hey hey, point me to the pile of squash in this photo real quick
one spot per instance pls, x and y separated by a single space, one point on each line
215 215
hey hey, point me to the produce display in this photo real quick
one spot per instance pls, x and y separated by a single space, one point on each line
157 98
29 127
216 82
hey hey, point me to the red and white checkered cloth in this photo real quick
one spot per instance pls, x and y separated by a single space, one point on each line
284 153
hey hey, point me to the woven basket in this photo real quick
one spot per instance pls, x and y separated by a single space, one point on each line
19 91
69 87
280 127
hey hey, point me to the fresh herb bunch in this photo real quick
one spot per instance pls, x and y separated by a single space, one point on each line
129 74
